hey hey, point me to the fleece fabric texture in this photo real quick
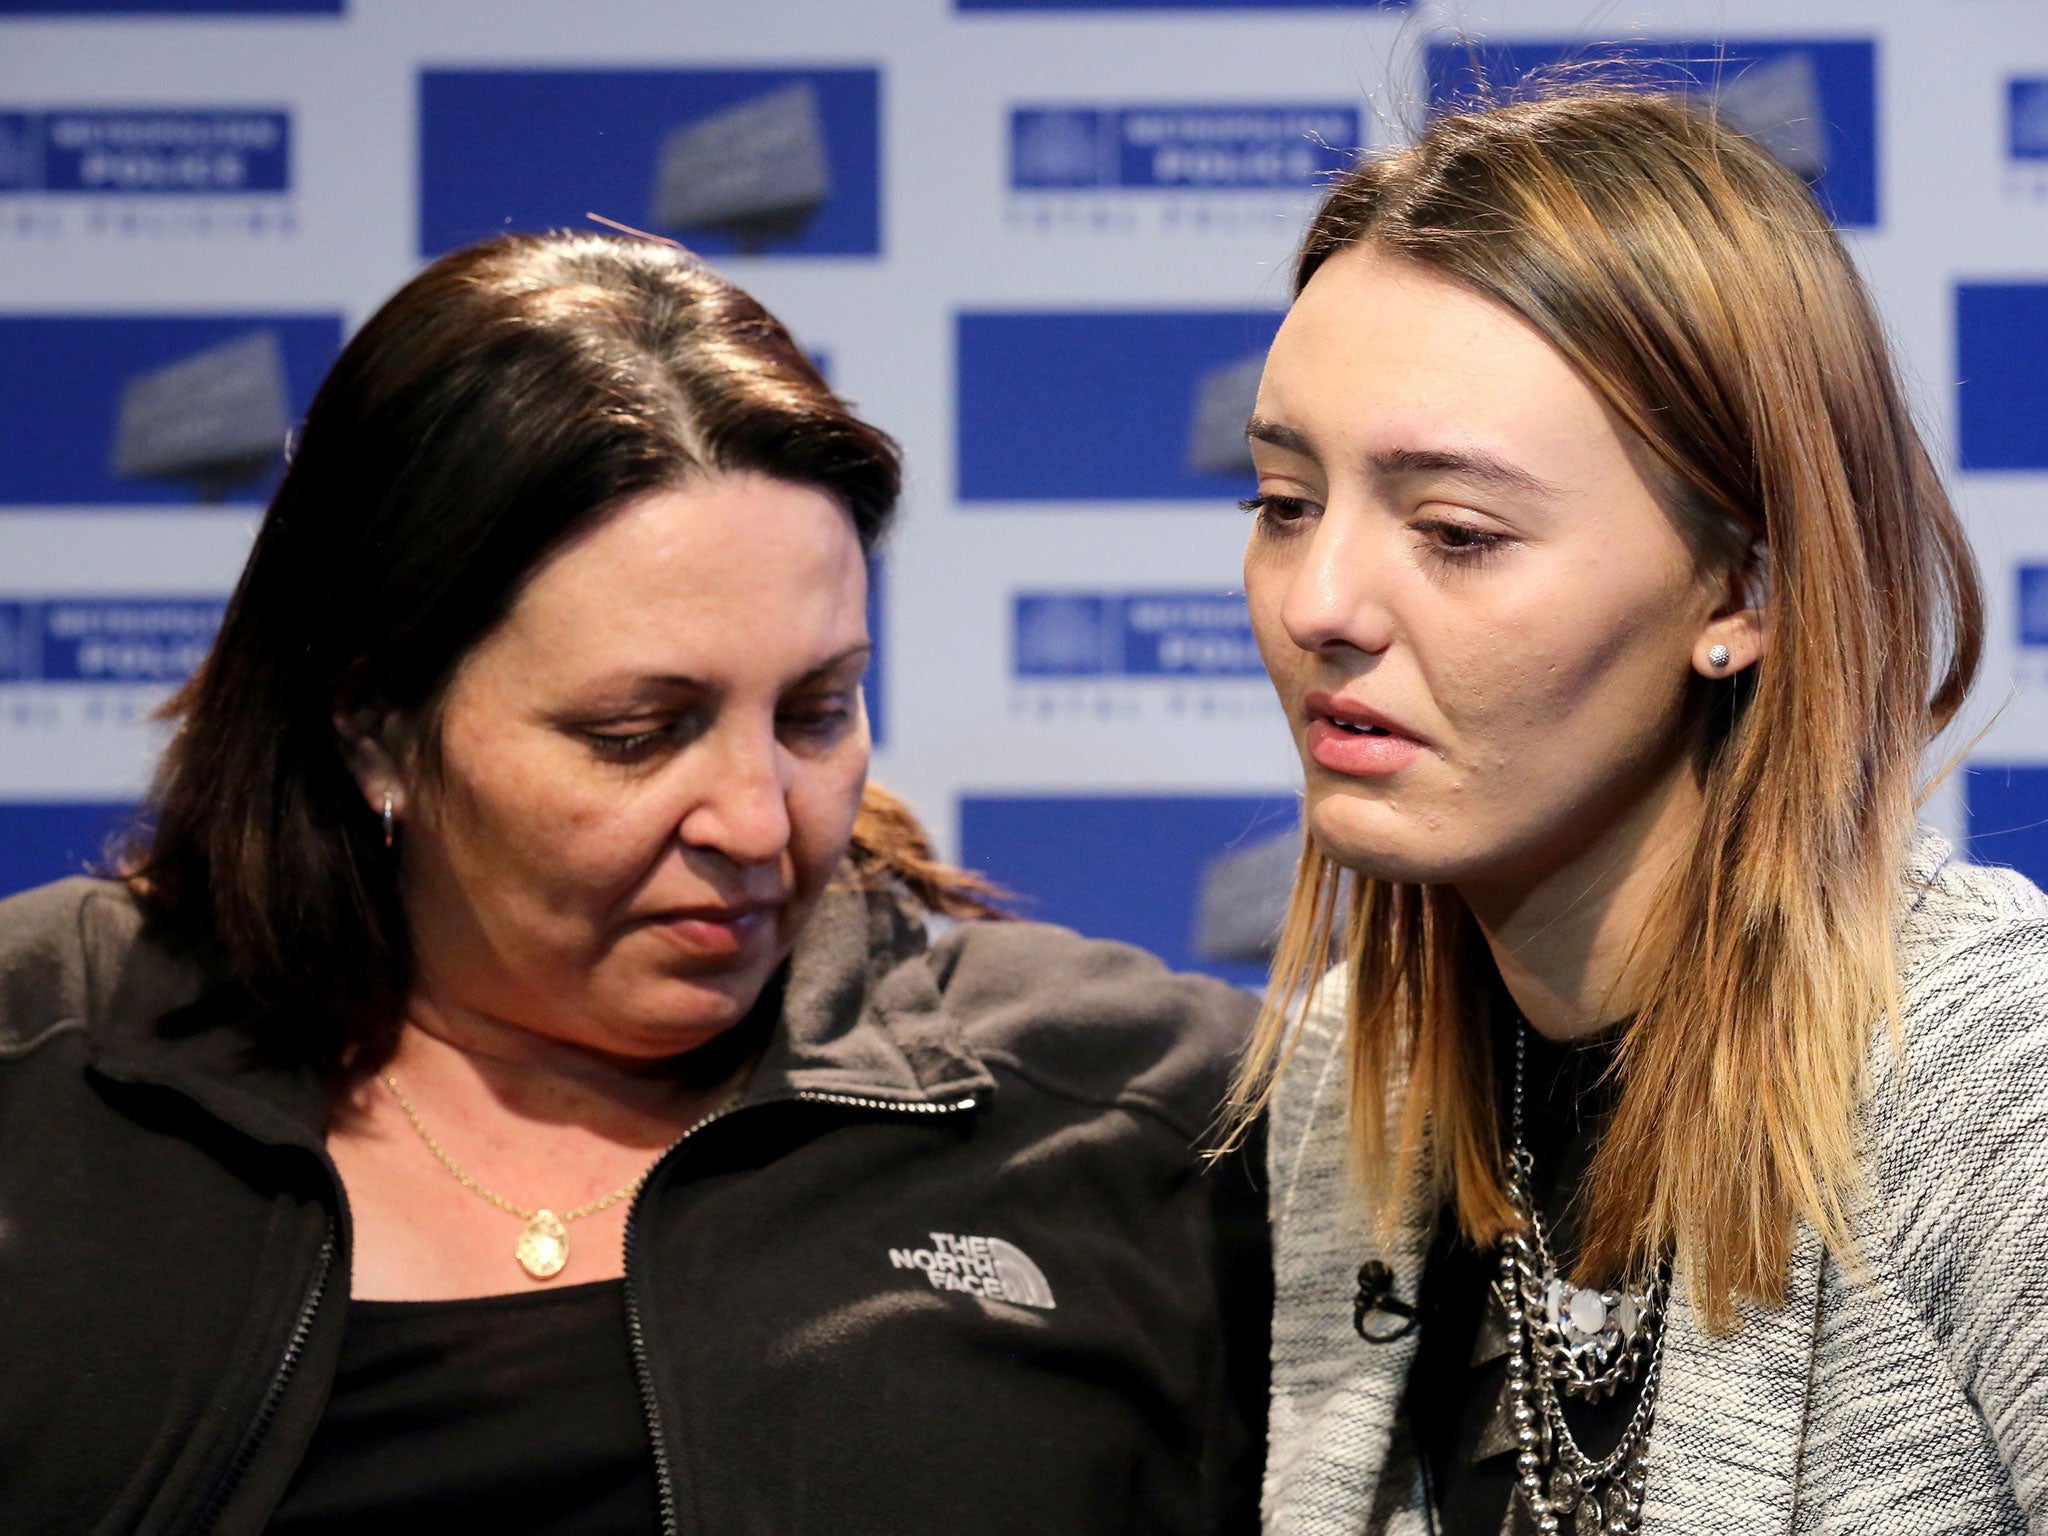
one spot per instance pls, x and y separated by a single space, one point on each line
955 1263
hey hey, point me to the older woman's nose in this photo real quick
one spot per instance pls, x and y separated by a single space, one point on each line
741 808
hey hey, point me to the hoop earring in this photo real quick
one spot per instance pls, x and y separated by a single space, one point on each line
390 821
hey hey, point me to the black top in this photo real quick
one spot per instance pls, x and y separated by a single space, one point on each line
505 1413
1457 1391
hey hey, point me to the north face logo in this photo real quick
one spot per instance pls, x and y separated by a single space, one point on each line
981 1266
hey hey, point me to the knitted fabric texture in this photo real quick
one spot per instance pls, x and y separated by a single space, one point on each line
1912 1397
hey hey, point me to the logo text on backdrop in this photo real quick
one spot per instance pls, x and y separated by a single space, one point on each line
133 172
1172 169
1135 657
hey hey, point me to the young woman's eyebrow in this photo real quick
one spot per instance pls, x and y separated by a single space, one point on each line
1260 430
1474 465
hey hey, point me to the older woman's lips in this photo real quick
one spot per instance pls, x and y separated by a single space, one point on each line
712 933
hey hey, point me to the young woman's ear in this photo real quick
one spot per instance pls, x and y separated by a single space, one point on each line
1734 636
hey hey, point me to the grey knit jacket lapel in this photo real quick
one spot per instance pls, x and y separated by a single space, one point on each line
1903 1392
1731 1410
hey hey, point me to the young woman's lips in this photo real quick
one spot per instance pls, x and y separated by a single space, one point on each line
1357 742
714 933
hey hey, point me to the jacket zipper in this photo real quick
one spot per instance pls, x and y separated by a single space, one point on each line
950 1106
664 1474
273 1398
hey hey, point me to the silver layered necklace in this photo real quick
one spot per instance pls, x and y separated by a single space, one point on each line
1568 1341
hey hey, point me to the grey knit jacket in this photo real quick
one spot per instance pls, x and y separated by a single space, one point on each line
1910 1399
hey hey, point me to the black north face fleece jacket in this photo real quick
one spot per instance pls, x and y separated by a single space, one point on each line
953 1266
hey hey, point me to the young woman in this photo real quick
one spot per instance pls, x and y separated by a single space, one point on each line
1699 1106
514 1089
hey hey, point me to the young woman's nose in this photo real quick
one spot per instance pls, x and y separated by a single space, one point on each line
1336 598
741 806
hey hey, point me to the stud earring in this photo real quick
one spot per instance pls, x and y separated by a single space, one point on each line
1717 658
390 821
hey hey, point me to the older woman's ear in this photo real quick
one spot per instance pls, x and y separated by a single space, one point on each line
375 744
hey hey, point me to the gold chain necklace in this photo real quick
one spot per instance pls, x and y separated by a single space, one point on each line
543 1246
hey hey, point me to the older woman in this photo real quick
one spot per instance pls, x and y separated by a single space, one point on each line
1702 1104
513 1087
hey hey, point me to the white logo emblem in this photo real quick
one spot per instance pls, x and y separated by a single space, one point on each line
980 1266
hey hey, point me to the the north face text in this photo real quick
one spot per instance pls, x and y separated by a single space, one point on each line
980 1266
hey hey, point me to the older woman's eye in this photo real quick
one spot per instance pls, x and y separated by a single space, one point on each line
624 745
1279 514
627 740
820 720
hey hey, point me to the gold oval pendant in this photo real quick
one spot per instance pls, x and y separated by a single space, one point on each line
543 1246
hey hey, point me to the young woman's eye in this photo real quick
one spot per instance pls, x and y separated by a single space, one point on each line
1279 514
1459 543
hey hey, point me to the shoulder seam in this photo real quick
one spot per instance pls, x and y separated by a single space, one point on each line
11 1050
1124 1099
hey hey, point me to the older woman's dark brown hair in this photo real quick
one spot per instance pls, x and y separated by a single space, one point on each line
510 395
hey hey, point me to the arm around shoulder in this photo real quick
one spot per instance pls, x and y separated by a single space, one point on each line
75 949
1097 1019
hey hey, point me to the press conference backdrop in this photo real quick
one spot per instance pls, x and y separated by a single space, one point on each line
1044 242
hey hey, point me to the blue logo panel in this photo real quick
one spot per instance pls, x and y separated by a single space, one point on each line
173 7
1812 103
1108 406
106 639
41 842
2006 810
2032 608
103 410
1127 867
2002 368
754 161
1132 635
1181 5
1179 148
2026 119
148 153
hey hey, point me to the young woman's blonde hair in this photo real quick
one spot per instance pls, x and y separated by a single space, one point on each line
1699 291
